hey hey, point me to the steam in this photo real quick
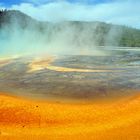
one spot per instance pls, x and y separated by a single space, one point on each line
65 38
58 35
23 35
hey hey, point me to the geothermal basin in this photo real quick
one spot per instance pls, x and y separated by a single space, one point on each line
73 76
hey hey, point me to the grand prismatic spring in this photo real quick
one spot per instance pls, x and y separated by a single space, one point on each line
69 70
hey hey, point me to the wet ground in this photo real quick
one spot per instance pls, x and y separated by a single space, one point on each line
121 75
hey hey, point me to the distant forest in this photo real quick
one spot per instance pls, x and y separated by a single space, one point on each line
101 33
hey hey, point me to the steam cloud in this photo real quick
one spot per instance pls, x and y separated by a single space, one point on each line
57 38
65 39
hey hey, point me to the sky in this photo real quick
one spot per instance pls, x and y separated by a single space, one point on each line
122 12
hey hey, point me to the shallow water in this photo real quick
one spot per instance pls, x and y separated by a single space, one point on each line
121 75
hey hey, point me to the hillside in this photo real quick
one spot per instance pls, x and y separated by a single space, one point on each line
77 32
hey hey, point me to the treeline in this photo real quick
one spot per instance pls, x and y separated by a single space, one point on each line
4 19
